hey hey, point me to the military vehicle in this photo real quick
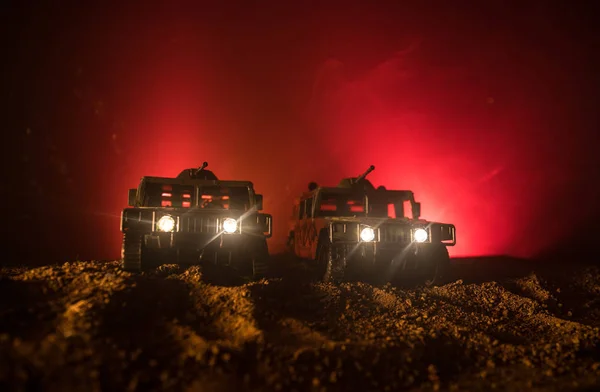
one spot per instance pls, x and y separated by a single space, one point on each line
196 218
356 229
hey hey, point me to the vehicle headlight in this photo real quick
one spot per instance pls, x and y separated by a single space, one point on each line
420 235
367 234
166 223
229 225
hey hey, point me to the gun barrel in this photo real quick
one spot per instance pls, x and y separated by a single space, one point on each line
366 173
204 164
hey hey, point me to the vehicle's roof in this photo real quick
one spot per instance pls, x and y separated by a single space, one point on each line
175 181
341 190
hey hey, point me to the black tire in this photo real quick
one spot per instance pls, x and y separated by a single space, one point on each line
131 252
290 246
439 259
259 259
331 267
135 257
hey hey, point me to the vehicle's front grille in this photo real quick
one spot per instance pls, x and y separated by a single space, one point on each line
394 234
198 224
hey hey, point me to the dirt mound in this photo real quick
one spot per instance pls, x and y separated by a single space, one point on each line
91 326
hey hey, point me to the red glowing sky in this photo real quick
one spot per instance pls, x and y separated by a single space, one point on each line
478 117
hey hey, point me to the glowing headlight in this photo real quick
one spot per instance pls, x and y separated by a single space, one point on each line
166 223
367 234
420 235
229 225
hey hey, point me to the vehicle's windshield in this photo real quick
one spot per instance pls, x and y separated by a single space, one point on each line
341 204
352 204
220 197
213 197
168 195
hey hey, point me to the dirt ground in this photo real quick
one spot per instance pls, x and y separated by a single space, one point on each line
501 323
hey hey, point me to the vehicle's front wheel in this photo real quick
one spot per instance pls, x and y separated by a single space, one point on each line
259 260
331 267
438 262
135 257
290 245
131 252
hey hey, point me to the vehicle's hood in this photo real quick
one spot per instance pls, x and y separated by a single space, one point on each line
210 212
207 212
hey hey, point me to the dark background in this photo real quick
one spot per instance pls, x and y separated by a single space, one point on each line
491 117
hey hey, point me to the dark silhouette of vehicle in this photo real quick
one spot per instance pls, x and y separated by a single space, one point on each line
356 229
196 218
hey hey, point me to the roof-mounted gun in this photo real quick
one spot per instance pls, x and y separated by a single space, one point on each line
199 173
362 176
354 182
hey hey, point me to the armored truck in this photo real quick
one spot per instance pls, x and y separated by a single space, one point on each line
355 229
196 218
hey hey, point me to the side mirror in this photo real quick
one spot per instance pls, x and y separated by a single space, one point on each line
259 202
132 197
416 211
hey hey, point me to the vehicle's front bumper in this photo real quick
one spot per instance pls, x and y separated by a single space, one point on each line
194 241
381 256
375 247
